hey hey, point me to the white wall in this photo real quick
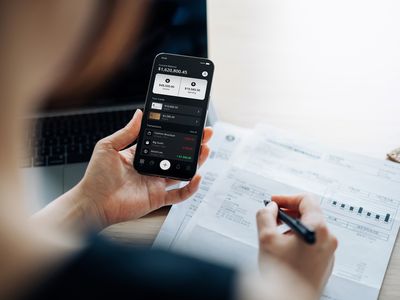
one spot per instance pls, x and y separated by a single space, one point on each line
330 61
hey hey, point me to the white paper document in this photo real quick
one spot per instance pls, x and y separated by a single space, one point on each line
223 228
225 141
360 197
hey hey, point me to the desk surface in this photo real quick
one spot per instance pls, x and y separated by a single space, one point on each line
271 67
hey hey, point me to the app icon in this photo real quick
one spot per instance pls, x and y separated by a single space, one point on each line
154 116
165 164
156 105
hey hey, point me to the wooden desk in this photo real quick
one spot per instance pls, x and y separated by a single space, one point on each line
274 65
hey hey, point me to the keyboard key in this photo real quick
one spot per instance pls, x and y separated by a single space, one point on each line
55 160
58 150
71 139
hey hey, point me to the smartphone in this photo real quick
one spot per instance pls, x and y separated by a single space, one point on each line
174 115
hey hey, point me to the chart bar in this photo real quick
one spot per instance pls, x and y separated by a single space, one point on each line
387 218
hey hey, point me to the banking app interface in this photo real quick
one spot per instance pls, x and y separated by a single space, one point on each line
176 108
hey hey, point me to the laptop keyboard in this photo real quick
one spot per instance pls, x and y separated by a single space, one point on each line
71 139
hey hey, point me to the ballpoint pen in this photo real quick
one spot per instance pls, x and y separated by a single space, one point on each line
296 225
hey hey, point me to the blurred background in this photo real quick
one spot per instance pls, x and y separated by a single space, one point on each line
329 70
115 66
326 69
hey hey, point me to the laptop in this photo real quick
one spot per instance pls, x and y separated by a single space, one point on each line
66 132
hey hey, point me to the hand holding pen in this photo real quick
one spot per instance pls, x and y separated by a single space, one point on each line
309 250
296 225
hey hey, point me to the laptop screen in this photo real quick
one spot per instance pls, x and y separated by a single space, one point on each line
173 26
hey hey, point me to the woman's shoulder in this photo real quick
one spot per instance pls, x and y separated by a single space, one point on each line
108 270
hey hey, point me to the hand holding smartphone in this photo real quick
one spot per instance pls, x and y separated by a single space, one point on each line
174 116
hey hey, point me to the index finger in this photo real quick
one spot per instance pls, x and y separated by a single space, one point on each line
207 134
308 207
267 217
310 211
306 204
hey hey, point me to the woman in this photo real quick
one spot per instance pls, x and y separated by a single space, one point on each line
51 254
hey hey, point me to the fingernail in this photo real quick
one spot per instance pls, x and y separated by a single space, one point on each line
270 204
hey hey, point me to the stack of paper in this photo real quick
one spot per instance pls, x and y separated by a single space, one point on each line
360 197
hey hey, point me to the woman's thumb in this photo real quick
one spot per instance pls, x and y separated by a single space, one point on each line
128 134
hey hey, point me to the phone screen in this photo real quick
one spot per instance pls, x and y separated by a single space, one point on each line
174 116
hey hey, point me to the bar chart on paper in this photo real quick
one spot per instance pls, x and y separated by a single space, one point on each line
359 196
356 209
362 213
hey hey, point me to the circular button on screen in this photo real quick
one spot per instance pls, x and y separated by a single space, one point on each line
165 164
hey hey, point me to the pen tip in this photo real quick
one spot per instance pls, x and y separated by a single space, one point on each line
266 202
